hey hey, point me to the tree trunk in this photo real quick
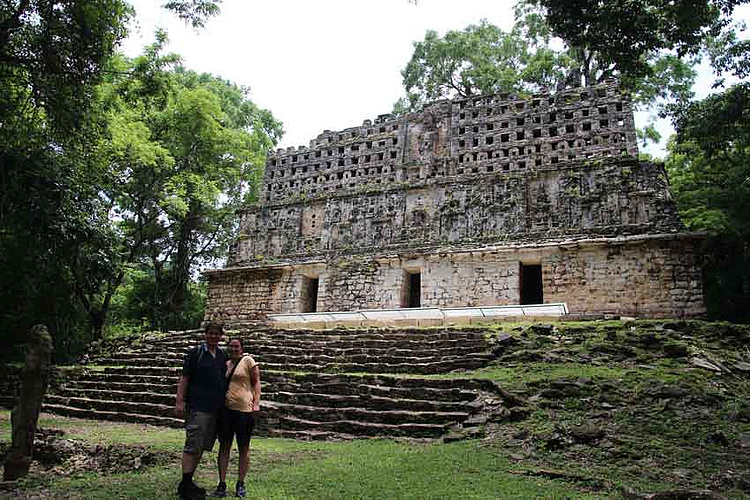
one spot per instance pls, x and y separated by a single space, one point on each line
180 272
25 415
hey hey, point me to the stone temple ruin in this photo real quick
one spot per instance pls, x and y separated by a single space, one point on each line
489 200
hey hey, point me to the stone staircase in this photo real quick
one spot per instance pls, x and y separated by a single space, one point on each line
316 384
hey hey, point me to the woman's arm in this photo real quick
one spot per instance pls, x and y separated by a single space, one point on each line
256 388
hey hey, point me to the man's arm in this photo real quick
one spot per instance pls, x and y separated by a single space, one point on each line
182 387
179 404
256 388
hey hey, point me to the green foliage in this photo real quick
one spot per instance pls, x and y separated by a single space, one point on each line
483 59
195 12
709 169
55 241
185 151
138 305
51 55
110 164
709 162
627 33
480 59
647 134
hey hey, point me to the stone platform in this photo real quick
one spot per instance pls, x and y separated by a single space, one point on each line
419 316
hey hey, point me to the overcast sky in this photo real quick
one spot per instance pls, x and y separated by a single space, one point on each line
327 64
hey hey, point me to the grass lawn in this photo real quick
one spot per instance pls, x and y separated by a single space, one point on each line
287 469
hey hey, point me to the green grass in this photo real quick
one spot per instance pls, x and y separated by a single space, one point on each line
287 469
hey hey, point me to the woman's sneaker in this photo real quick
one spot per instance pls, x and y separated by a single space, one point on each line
221 490
240 489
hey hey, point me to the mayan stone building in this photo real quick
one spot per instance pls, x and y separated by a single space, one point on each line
490 200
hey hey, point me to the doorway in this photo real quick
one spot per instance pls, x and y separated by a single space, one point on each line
310 294
531 284
413 290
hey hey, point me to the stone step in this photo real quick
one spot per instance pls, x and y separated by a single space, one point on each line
169 379
356 421
350 333
418 368
138 359
117 416
121 386
141 361
361 337
259 346
391 417
367 402
167 399
140 408
157 351
359 429
173 373
359 334
271 381
305 435
366 391
403 365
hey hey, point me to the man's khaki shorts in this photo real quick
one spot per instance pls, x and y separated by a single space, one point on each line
200 432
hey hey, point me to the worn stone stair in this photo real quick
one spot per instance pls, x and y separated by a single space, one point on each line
316 385
365 350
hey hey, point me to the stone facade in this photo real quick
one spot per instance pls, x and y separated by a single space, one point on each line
469 195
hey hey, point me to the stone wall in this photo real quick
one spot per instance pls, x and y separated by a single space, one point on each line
493 133
613 197
641 276
652 278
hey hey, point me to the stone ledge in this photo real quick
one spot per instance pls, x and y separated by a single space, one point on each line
419 317
507 247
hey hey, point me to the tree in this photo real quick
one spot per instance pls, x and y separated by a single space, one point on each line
52 54
480 59
627 33
195 12
184 150
709 162
52 222
57 243
709 169
483 59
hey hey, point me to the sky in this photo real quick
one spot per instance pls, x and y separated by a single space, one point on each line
327 64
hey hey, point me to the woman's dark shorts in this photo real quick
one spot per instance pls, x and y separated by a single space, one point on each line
236 423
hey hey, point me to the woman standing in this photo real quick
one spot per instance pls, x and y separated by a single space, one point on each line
237 418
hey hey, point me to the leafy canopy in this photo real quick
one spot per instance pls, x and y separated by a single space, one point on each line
709 162
626 32
185 151
484 59
477 60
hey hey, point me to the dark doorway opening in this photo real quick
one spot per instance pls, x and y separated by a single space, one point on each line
414 290
310 301
531 284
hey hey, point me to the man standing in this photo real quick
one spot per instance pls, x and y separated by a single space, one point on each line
202 387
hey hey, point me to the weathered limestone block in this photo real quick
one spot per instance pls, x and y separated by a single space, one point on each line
25 415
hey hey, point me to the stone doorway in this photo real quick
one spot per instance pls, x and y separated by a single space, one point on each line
531 284
310 294
412 296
